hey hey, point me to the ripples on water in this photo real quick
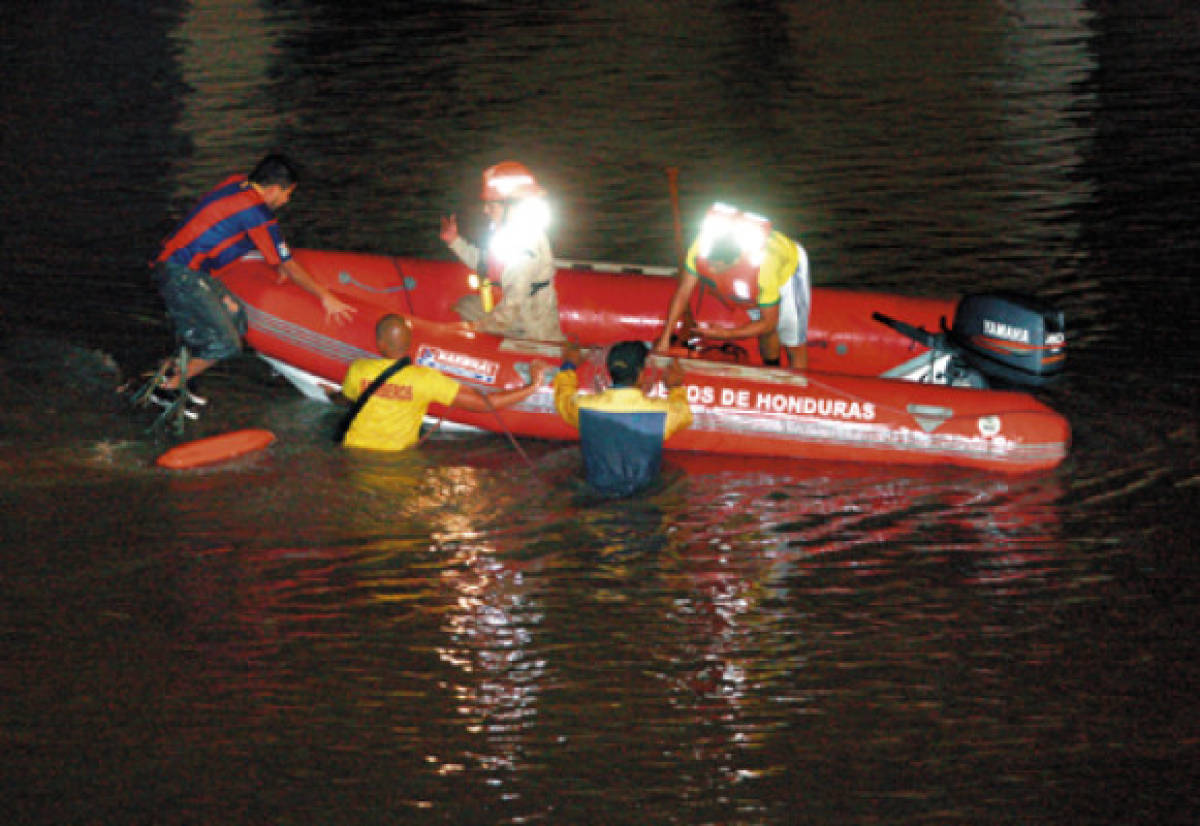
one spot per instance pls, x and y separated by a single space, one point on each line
309 635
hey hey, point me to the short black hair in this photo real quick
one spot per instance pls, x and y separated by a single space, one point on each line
625 361
275 170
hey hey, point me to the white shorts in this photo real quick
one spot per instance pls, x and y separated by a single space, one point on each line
795 298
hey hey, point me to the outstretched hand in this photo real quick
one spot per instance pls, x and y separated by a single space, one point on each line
449 232
688 329
537 373
336 310
571 352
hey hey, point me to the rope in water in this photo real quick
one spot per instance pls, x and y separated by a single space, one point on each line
512 440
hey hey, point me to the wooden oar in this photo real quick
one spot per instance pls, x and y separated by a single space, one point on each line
689 320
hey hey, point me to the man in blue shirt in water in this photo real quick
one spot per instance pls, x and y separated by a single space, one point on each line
622 430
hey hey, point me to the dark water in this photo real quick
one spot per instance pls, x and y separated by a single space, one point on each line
455 636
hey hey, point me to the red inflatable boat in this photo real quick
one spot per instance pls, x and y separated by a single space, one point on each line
880 386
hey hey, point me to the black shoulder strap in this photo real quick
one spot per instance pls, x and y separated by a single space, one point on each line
352 413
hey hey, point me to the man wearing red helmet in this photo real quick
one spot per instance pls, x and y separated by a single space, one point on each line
517 256
747 264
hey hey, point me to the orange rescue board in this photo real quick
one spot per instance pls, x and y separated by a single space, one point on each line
215 449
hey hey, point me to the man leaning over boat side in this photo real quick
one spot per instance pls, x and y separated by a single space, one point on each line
235 218
621 430
390 419
516 256
748 264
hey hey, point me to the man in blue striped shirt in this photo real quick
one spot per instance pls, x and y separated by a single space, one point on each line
235 218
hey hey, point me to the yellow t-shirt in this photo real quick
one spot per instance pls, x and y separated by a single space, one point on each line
617 401
391 418
779 264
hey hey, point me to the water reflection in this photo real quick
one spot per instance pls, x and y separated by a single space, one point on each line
490 626
227 50
479 585
763 605
782 582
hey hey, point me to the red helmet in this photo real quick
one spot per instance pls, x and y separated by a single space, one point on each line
730 250
509 181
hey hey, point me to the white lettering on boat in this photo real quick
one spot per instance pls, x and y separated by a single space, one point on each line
459 365
815 419
734 398
1005 331
700 394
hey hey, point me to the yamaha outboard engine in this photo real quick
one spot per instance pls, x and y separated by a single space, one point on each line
1009 336
1004 337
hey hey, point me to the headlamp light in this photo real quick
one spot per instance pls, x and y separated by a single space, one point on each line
748 231
530 216
525 221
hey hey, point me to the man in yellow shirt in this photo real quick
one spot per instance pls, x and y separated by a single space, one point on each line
622 430
748 264
391 418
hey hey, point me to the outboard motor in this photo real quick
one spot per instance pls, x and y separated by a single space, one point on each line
1005 337
1009 336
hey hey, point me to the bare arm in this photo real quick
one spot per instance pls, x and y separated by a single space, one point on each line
335 309
768 322
469 398
677 308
